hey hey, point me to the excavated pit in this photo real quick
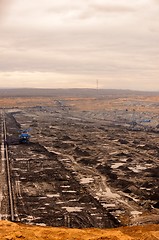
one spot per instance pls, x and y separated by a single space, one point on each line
82 171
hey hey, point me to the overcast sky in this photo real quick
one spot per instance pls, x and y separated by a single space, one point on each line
70 43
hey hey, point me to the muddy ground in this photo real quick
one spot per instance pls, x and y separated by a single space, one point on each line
89 163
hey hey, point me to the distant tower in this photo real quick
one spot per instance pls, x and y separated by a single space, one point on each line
97 85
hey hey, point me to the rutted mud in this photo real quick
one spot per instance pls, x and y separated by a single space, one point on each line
82 171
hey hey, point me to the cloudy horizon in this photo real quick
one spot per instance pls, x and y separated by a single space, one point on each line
67 44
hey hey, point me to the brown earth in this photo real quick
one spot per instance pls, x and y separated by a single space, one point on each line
66 131
13 231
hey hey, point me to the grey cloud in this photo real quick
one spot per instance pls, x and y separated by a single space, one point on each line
111 8
156 1
80 51
107 45
89 10
58 9
4 4
94 10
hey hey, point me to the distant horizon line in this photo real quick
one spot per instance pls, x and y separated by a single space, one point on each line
76 88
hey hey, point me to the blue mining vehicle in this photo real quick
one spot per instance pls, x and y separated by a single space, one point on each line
24 136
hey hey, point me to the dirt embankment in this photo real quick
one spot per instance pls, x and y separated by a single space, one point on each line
13 231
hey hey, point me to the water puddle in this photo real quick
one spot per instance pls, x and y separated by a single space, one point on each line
42 197
41 224
148 165
137 169
65 186
123 159
21 159
15 169
73 209
68 191
108 205
136 213
116 165
40 208
22 178
86 180
113 153
107 193
53 195
59 202
30 218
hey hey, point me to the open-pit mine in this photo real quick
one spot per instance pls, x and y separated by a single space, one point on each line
91 161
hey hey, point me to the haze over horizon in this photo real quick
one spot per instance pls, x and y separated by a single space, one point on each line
72 44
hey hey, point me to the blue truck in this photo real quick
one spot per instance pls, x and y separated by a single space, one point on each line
24 136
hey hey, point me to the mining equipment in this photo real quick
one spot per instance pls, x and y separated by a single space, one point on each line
24 136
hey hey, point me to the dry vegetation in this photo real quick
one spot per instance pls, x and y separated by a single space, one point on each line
13 231
14 102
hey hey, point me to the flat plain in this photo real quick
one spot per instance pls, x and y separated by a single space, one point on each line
92 160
